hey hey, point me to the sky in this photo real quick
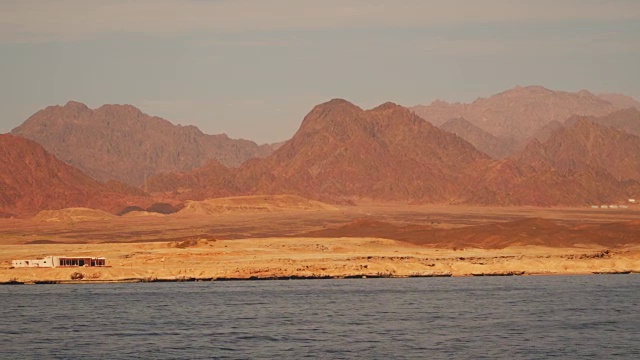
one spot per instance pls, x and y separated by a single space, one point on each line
253 68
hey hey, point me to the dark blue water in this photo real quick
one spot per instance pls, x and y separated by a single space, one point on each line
420 318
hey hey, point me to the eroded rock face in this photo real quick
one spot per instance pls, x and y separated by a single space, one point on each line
119 142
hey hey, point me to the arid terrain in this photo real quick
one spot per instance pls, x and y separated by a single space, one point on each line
323 242
527 181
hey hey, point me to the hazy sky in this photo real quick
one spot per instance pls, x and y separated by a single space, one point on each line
254 68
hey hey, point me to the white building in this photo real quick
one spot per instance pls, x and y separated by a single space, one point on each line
633 201
60 261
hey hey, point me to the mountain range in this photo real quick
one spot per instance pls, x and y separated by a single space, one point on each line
343 153
340 154
518 112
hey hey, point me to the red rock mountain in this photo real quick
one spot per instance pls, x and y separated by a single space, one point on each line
620 101
519 112
342 152
598 146
32 180
120 142
494 146
584 164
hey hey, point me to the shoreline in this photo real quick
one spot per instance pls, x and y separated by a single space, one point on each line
295 277
306 259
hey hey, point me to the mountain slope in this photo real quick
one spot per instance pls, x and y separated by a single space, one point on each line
32 180
627 120
598 146
491 145
120 142
584 164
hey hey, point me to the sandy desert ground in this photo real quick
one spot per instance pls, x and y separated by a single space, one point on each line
268 244
308 258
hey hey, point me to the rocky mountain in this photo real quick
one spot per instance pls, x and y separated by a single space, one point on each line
494 146
620 101
122 143
518 112
342 152
32 180
598 146
582 164
627 120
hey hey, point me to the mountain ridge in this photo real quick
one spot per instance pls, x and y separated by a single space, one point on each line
518 112
120 142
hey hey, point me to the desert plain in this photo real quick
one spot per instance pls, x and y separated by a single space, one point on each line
300 239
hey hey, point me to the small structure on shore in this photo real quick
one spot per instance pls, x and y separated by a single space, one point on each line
61 261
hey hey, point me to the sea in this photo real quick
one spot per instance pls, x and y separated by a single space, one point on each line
518 317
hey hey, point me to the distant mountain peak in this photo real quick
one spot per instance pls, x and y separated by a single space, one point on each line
437 102
530 90
518 112
120 108
72 104
337 103
387 106
335 113
585 93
